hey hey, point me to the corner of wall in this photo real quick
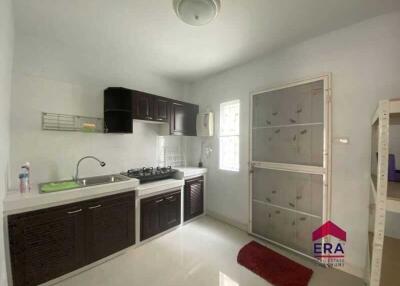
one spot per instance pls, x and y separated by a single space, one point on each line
6 60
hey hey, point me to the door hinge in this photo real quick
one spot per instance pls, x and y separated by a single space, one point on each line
251 168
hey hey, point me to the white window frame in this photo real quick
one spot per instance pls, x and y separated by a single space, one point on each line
235 134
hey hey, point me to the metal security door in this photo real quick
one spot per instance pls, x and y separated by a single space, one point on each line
290 163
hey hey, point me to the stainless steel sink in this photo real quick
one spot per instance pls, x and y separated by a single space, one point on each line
101 180
81 183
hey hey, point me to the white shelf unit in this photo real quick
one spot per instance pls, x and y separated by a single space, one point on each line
290 155
383 252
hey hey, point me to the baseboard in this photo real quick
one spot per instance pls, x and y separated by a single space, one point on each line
227 220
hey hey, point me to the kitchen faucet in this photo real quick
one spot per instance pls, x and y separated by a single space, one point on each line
76 178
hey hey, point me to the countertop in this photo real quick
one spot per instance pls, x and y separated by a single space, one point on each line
190 171
158 186
15 202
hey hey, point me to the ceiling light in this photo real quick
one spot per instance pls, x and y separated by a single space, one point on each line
197 12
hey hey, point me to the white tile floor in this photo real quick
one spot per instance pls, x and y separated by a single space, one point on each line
200 253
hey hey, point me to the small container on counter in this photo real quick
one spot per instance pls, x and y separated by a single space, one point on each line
23 183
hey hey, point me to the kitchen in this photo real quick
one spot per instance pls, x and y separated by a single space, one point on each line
198 142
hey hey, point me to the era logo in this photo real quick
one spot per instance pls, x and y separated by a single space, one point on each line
330 253
328 248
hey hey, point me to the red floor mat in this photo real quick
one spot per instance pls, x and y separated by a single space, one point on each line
273 267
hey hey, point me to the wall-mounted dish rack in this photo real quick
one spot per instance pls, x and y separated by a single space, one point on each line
65 122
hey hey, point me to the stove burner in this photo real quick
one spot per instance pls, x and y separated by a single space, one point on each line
150 174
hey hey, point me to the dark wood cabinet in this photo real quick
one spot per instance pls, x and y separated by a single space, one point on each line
159 213
121 105
142 105
110 226
193 198
183 118
170 211
117 110
177 118
161 109
48 243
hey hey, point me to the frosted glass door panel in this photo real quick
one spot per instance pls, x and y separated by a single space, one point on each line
297 191
305 226
293 145
285 226
300 104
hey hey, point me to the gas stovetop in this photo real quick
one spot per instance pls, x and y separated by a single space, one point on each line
151 174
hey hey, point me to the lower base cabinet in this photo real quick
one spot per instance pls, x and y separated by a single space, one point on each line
49 243
194 198
159 213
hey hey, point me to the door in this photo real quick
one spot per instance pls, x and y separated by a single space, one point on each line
110 225
142 105
46 244
170 215
159 213
194 198
191 112
150 216
161 109
177 119
290 168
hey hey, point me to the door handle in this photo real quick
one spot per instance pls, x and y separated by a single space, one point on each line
95 207
74 212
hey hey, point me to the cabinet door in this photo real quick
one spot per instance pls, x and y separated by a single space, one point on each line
142 105
161 109
46 244
177 126
150 217
170 212
194 201
190 111
110 225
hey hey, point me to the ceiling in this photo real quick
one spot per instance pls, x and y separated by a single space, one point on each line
146 34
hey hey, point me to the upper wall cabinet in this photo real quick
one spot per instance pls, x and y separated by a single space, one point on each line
183 119
161 109
121 105
117 110
142 105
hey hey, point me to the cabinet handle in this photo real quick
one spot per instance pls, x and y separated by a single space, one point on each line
95 207
75 212
170 198
149 117
159 201
160 119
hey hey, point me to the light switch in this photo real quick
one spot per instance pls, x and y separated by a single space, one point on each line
341 140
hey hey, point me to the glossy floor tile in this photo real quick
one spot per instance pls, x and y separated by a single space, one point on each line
200 253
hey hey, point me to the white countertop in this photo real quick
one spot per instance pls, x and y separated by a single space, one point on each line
158 186
191 171
15 202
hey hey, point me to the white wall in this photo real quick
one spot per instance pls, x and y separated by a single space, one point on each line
6 58
53 77
365 63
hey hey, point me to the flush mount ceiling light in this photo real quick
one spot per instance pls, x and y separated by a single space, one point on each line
197 12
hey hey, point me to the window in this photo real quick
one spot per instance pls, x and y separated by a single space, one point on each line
229 122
